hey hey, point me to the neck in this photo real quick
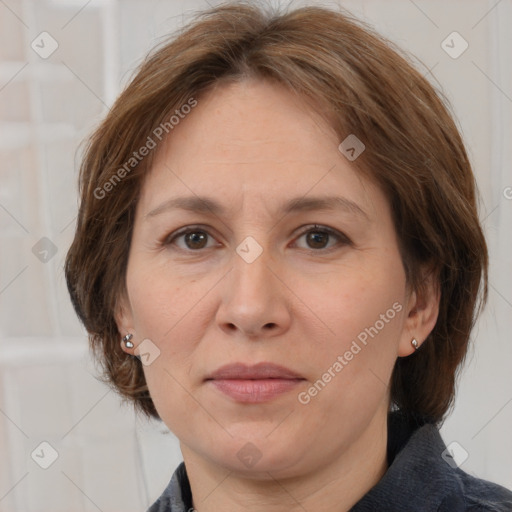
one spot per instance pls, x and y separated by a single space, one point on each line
337 485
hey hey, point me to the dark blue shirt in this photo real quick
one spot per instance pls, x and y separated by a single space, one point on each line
420 478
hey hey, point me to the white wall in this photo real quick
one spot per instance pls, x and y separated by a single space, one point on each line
107 458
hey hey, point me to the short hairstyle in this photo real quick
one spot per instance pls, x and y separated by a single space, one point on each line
361 84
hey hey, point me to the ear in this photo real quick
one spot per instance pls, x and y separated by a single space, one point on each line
124 320
422 310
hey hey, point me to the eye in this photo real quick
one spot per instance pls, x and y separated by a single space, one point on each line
194 238
317 237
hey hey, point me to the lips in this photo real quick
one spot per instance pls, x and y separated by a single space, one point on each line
254 384
253 372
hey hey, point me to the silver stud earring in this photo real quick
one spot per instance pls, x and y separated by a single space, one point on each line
414 343
127 342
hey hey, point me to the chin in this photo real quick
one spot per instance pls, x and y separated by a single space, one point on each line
257 456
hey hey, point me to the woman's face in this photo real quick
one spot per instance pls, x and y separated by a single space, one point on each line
270 276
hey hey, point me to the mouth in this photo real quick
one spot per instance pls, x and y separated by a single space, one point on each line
254 384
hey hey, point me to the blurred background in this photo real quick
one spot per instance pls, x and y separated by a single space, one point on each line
66 442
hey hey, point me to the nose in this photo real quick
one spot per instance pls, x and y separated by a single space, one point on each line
255 299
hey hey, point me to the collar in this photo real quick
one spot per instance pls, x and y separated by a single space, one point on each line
418 478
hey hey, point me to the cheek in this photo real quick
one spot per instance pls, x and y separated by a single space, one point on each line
159 303
360 305
351 370
167 309
353 362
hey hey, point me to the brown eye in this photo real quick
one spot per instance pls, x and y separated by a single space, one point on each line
194 239
318 238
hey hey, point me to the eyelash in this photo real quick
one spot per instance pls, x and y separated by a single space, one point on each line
342 239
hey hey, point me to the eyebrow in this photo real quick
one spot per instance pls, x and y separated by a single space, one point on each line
207 205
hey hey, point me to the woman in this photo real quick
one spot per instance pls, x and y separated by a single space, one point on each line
278 254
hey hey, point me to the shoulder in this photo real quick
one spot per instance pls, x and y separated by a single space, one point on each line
460 491
463 492
481 495
422 476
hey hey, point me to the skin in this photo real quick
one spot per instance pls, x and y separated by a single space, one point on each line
252 146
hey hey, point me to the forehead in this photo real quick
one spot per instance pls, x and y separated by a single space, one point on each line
254 120
254 139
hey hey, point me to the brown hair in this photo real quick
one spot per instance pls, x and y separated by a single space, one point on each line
363 86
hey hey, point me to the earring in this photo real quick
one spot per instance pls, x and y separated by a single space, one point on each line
127 342
414 343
